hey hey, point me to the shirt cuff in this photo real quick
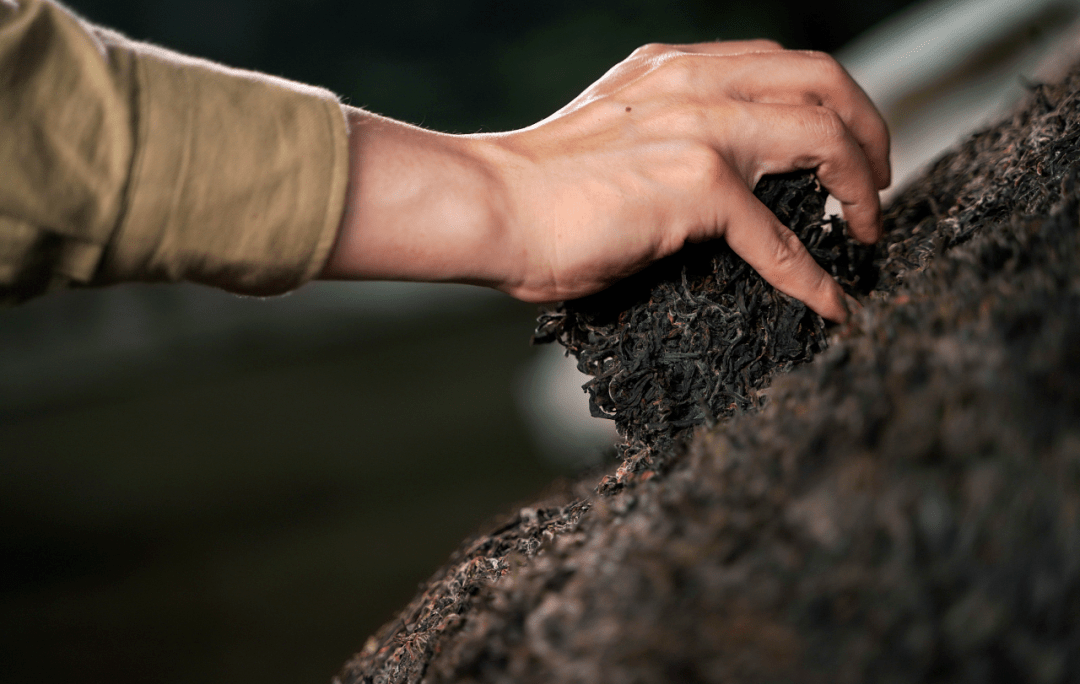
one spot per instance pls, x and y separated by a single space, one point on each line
238 179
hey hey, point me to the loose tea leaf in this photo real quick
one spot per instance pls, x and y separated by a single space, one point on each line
694 337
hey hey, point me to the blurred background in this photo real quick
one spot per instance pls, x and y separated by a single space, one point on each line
197 487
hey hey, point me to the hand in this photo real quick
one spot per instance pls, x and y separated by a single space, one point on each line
663 150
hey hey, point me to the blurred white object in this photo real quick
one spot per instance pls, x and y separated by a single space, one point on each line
937 71
941 69
556 409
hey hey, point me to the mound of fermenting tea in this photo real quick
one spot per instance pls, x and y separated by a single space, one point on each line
696 336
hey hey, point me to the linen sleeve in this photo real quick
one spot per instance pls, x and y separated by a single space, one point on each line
125 161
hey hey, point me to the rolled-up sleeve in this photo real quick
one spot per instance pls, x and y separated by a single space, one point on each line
124 161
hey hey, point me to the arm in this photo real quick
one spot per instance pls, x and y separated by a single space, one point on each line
664 150
123 161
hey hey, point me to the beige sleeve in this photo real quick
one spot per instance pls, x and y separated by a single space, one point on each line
124 161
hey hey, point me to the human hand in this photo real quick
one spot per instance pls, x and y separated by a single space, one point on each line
663 150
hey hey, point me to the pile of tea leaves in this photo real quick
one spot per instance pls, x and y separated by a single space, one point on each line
695 337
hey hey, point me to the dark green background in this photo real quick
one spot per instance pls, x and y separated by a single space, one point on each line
253 518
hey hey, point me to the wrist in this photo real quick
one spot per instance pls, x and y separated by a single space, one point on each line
421 206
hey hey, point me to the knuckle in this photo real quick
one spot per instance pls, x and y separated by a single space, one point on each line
706 165
884 135
826 125
787 255
693 170
677 72
827 65
650 50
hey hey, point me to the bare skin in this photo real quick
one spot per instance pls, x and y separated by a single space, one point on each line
665 149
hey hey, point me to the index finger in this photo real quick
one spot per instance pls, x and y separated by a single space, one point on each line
775 252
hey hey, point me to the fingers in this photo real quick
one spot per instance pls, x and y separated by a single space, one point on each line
785 138
775 252
761 71
814 78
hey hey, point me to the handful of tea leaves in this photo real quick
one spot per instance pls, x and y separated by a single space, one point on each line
694 337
